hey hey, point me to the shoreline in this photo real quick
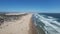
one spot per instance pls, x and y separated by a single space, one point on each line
22 26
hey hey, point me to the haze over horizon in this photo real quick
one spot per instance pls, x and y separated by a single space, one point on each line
47 6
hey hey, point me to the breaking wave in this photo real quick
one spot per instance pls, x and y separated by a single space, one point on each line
48 24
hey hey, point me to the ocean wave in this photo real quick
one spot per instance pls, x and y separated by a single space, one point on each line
48 24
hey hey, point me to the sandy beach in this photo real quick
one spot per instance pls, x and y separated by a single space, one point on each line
21 26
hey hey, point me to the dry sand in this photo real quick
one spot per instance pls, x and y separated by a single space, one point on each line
22 26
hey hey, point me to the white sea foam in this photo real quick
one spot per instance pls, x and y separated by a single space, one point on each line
51 28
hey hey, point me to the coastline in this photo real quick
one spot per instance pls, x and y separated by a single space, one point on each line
22 26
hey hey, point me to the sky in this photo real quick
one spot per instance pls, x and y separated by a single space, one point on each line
44 6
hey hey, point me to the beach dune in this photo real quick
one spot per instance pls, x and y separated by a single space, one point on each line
23 25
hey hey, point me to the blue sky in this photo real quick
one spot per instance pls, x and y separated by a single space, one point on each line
47 6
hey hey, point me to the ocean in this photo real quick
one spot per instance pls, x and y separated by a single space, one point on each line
47 23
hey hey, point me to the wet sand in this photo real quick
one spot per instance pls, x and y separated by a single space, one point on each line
22 26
